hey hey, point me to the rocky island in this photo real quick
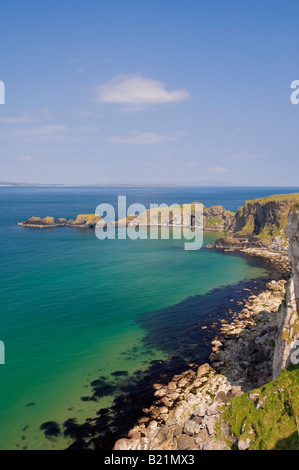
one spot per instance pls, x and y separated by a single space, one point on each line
81 221
259 224
256 229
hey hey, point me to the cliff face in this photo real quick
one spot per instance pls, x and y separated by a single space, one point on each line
218 219
264 217
215 219
272 225
261 224
288 319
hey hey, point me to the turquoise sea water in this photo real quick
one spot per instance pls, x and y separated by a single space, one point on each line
74 309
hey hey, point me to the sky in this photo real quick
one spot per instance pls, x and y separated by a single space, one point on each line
149 92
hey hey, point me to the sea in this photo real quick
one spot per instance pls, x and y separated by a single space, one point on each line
89 325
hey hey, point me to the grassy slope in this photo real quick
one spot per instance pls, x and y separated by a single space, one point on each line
214 221
274 426
275 197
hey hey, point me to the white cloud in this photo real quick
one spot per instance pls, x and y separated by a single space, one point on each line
26 158
84 113
52 132
26 117
242 156
218 169
132 109
21 119
87 129
46 113
137 91
146 138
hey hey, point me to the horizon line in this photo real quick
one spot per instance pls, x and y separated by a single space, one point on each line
140 185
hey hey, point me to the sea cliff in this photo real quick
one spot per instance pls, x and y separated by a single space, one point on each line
288 320
261 225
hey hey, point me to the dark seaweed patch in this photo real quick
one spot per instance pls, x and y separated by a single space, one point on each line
120 373
50 428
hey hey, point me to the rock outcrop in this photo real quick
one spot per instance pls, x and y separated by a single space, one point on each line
261 225
244 348
184 414
215 219
218 219
183 215
288 317
81 221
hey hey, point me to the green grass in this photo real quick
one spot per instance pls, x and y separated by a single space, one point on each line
274 230
214 221
275 425
295 206
248 228
274 198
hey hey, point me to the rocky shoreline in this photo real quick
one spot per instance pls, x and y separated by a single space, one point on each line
186 411
274 259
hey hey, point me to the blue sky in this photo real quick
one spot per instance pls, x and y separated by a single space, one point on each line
167 91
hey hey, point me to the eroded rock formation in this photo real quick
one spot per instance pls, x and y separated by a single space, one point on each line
81 221
288 319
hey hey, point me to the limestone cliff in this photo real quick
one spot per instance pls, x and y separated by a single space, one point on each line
261 224
215 219
265 217
288 319
218 219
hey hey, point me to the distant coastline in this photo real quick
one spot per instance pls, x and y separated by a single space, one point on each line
200 184
120 185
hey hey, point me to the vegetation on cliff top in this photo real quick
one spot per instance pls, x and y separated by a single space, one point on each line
275 198
266 418
264 218
295 206
214 221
